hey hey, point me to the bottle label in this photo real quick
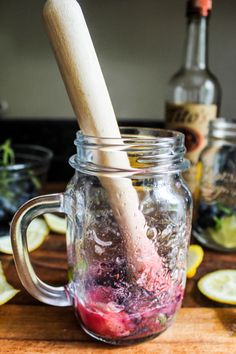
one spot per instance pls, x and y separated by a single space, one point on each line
192 120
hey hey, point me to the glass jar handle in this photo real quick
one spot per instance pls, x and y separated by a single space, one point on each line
48 294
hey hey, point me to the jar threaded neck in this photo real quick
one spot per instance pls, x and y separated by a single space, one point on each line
222 128
149 152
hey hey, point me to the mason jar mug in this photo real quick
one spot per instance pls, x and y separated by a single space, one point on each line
129 220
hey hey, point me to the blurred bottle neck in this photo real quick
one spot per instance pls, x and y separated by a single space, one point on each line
196 47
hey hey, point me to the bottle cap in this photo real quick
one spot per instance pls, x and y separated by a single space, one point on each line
199 7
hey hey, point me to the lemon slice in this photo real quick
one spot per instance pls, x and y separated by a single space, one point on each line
56 223
36 234
219 286
226 235
7 292
195 257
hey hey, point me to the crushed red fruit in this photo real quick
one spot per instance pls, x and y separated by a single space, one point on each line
115 313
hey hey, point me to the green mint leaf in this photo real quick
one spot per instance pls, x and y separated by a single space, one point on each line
218 223
225 210
7 155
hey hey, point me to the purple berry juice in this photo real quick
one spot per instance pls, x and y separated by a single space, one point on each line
118 311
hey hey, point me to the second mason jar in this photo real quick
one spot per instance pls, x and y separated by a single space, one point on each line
129 222
215 226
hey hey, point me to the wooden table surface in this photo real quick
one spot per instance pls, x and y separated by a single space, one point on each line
28 326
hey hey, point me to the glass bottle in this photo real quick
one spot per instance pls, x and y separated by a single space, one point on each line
215 226
194 93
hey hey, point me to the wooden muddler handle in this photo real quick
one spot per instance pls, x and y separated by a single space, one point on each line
91 102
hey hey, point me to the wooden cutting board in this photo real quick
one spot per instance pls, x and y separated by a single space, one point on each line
27 326
44 329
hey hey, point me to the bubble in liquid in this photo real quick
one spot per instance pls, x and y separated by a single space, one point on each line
167 231
99 250
119 260
151 233
99 241
178 184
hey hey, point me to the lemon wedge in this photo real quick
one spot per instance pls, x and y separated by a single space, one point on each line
56 223
7 292
226 234
36 234
195 257
219 286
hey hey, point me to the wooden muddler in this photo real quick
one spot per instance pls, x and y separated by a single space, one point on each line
91 102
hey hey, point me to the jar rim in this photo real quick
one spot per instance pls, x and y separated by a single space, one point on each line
222 128
151 150
164 134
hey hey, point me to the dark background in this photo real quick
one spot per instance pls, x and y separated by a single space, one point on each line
57 135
